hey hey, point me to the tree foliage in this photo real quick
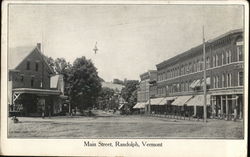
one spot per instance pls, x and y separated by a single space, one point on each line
85 83
129 93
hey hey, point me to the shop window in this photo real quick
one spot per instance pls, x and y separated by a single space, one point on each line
240 78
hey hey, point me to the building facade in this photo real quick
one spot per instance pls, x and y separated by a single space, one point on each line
146 89
33 87
181 77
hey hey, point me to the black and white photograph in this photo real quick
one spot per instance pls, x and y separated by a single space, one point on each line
157 71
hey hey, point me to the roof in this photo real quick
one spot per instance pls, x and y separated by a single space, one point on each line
37 91
18 54
197 48
112 86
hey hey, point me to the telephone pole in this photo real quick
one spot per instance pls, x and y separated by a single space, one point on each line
205 78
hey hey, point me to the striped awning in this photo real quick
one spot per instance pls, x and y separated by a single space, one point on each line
155 101
164 100
181 100
140 105
198 100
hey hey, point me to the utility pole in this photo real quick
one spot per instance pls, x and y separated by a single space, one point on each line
205 79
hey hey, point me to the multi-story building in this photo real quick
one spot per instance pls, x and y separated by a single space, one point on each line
33 87
181 78
145 89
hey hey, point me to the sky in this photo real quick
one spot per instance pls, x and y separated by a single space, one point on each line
131 39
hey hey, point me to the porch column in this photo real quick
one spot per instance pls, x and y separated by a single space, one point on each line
241 109
235 107
227 108
221 106
212 103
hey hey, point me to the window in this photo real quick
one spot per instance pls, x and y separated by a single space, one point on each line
22 78
217 81
229 77
214 82
240 83
37 66
28 65
32 81
217 60
222 58
213 61
229 56
223 81
208 62
239 53
226 57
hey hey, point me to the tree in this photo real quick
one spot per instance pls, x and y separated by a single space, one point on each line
105 96
129 92
84 83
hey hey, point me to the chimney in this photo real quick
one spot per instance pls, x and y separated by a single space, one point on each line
39 46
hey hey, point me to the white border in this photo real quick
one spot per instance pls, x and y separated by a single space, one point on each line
74 147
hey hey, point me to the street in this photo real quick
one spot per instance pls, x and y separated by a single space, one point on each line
109 125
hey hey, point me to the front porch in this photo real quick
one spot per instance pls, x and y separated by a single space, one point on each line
35 102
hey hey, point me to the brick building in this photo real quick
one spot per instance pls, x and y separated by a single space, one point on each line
144 88
33 86
180 79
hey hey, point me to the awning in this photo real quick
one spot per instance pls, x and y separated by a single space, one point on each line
164 100
192 85
155 101
198 100
208 81
37 91
140 105
121 106
181 100
170 98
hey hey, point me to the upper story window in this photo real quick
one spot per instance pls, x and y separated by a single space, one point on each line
32 81
222 58
217 81
240 82
228 57
223 81
28 65
229 79
22 78
208 63
213 61
217 60
239 53
37 66
214 82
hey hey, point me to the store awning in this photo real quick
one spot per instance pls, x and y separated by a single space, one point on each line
170 98
140 105
181 100
155 101
37 91
198 100
208 81
164 100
